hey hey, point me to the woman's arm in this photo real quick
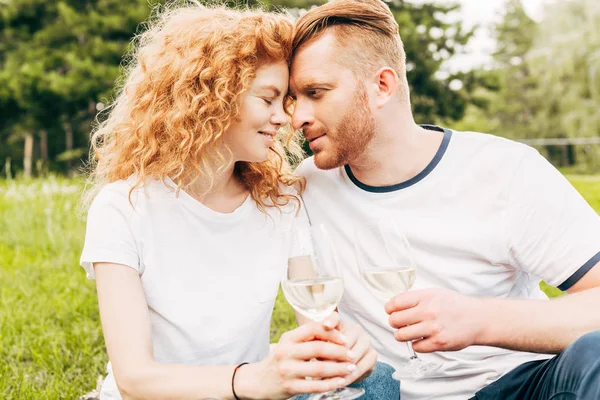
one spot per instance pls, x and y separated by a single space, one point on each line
127 333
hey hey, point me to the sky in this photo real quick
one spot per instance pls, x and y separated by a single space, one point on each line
483 13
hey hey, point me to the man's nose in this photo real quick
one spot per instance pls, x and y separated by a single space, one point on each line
303 115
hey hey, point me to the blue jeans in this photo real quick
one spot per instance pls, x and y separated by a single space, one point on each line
573 374
378 386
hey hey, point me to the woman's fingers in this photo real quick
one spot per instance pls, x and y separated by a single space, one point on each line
301 386
317 349
315 369
365 366
333 321
361 347
312 331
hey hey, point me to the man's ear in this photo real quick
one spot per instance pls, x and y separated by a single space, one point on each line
386 82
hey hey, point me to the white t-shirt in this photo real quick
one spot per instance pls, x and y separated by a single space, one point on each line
210 279
487 217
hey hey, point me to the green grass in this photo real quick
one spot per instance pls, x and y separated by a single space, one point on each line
589 187
51 342
51 345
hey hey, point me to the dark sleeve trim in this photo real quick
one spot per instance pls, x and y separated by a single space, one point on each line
573 279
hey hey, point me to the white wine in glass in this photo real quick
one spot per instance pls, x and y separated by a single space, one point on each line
387 265
316 297
387 283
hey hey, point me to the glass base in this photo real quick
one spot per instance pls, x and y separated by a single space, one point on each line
413 368
344 393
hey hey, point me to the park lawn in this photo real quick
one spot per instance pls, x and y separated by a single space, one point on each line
51 343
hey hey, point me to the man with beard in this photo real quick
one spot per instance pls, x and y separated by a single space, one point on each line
487 218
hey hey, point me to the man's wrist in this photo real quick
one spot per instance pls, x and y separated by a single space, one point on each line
484 315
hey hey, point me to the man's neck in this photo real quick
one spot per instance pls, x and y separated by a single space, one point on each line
398 152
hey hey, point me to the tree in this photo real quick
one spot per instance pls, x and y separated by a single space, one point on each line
59 59
517 103
429 40
62 58
566 60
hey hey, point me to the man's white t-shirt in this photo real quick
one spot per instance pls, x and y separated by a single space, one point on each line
210 279
487 217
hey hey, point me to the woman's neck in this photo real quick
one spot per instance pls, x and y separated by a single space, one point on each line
225 194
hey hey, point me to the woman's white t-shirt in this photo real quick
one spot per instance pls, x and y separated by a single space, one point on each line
210 279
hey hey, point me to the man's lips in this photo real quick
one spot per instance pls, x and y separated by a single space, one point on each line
315 143
313 138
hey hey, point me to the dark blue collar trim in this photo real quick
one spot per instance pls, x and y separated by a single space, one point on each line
392 188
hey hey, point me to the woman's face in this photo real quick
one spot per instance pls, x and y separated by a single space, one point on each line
261 114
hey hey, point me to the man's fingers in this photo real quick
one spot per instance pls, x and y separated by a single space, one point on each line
412 332
406 317
425 346
403 301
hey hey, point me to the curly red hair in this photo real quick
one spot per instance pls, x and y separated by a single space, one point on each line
181 91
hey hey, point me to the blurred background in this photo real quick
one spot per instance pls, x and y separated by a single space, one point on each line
528 70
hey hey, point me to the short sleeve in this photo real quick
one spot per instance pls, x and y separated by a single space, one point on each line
109 232
553 232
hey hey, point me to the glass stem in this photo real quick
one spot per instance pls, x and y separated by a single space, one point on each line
411 352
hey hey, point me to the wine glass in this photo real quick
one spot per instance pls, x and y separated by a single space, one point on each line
313 292
387 265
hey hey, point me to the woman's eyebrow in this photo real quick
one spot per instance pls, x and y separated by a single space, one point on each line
273 88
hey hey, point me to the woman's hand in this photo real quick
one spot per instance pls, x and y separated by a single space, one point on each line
362 354
283 373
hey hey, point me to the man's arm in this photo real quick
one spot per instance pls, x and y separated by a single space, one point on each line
545 326
439 319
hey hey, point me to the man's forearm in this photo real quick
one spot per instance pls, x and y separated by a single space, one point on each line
540 326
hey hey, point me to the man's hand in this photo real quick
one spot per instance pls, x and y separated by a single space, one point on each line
362 354
436 319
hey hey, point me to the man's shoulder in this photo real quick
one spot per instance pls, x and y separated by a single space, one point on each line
307 168
316 178
490 147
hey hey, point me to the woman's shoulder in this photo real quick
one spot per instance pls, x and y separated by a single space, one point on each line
131 192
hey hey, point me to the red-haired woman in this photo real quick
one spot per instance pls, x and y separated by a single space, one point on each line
193 208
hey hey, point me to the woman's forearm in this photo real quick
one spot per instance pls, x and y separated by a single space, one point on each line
173 381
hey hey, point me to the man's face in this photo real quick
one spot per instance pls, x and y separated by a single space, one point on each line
332 105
